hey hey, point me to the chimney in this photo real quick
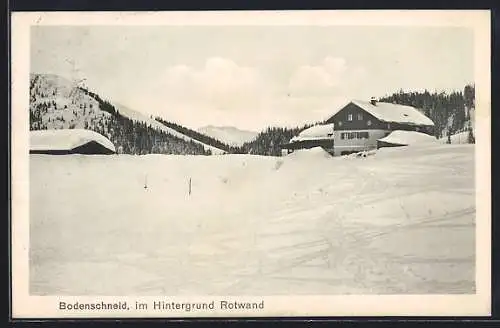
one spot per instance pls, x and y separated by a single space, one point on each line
373 101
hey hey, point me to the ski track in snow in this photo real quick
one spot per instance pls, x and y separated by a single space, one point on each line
402 221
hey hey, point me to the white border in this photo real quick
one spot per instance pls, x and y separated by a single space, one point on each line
25 305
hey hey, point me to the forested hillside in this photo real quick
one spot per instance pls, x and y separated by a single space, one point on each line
131 137
198 136
56 103
230 135
268 142
451 112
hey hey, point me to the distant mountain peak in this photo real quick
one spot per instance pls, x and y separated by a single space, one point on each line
228 134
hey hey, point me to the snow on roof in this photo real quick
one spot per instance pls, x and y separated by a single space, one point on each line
315 132
66 139
388 112
406 138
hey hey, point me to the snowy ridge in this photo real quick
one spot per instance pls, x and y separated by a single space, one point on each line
136 116
228 134
66 139
61 105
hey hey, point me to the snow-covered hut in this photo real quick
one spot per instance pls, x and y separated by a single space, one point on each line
69 141
316 136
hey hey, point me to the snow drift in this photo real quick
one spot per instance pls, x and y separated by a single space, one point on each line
457 138
406 138
312 153
400 222
67 140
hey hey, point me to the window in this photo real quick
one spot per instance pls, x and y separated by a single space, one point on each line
354 135
369 122
339 123
388 126
360 117
349 117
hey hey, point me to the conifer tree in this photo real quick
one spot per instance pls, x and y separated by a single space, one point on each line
470 138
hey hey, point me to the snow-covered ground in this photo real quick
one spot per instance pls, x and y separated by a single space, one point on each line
457 138
399 221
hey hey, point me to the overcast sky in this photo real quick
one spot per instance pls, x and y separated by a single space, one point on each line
252 77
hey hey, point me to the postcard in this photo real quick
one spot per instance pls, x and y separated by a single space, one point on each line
250 164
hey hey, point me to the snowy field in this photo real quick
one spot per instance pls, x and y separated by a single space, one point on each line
399 221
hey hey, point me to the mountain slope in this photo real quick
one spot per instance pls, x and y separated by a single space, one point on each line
134 115
200 136
228 134
56 103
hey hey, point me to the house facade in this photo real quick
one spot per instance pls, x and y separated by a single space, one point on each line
359 124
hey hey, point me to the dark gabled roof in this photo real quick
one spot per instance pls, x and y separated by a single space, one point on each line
393 113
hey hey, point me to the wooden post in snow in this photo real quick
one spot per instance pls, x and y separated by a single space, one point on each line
189 185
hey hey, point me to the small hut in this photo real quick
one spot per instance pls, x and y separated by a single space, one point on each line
70 141
315 136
